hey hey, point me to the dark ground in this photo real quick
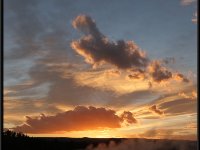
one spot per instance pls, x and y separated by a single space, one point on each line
76 143
19 141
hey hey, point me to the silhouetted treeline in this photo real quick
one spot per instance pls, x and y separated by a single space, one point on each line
19 141
8 134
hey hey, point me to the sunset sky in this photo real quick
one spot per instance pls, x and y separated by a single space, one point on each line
103 68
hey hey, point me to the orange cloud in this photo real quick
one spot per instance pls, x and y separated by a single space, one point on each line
159 73
80 119
112 73
180 77
137 74
192 95
182 94
156 110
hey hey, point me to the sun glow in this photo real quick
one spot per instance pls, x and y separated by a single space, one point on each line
104 133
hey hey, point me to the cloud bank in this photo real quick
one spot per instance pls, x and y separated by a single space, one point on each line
80 119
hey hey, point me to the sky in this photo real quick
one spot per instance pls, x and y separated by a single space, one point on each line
101 68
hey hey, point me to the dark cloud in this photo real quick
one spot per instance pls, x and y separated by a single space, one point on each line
98 49
156 110
86 25
80 119
128 116
158 72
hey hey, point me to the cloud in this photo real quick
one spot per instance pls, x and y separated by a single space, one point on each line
178 103
191 126
180 77
98 49
158 72
55 70
32 38
128 116
182 94
137 74
192 95
179 106
195 19
86 25
156 110
80 119
112 73
109 80
24 33
187 2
